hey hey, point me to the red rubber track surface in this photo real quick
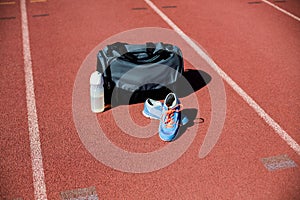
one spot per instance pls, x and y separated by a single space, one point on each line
255 44
15 163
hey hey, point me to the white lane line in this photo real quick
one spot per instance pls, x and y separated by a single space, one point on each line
282 133
280 9
33 128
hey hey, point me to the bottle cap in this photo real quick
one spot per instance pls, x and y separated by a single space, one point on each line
96 78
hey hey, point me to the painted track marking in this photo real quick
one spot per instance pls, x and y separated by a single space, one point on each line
33 127
41 15
266 117
169 6
278 162
281 10
7 18
139 8
254 2
8 3
38 1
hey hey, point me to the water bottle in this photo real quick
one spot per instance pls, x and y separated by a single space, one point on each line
97 92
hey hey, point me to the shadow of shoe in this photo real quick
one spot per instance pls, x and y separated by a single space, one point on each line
191 115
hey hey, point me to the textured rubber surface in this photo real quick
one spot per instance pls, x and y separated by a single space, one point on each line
256 45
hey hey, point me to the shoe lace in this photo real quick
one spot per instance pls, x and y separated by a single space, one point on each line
170 113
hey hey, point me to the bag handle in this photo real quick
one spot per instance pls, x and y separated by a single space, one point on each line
149 48
125 48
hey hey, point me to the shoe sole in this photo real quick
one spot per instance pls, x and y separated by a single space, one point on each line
148 116
169 139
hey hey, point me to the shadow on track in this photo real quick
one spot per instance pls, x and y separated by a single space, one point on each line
191 81
197 80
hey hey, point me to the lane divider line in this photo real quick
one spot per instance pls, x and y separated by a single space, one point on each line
281 10
8 3
272 123
33 127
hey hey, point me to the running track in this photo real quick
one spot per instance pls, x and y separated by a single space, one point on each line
255 44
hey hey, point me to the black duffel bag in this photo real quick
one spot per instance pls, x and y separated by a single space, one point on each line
134 72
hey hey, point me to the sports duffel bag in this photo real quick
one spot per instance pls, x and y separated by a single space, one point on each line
134 72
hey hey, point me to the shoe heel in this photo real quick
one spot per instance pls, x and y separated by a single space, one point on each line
146 115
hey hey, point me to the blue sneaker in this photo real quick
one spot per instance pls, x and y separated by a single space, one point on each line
171 118
152 109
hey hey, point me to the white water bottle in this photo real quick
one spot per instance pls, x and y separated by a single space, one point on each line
97 92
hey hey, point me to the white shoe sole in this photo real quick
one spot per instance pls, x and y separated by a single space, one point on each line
148 116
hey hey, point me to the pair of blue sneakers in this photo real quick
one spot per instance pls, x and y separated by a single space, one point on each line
169 114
